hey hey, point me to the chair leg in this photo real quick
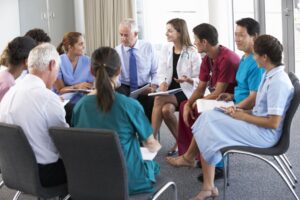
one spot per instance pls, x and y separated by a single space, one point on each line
279 161
288 166
67 197
164 188
225 158
18 193
287 160
271 164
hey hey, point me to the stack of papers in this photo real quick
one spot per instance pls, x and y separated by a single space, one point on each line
146 154
209 104
165 93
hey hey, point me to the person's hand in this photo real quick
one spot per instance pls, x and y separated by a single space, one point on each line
150 89
187 113
83 85
236 113
225 97
152 144
163 86
183 79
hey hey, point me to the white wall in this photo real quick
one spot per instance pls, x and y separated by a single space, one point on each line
9 21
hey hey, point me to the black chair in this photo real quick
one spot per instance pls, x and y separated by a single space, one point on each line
19 166
278 151
95 165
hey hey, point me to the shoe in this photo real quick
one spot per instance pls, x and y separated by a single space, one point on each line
172 153
219 173
207 194
180 161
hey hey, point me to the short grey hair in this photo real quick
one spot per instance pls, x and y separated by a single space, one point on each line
40 57
131 23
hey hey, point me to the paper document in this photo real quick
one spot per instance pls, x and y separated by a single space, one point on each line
146 154
135 94
209 104
80 90
165 93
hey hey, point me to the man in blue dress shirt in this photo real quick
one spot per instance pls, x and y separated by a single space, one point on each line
139 64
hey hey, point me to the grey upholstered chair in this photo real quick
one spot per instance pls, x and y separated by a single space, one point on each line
95 165
19 167
278 151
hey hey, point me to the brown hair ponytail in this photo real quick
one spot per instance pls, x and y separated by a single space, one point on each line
106 64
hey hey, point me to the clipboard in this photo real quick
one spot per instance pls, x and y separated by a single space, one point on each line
165 93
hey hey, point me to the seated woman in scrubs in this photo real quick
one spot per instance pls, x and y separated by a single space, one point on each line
260 127
74 72
107 109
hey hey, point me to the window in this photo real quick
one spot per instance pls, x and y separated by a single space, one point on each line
152 18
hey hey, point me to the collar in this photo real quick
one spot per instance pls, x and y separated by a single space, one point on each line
136 46
35 80
274 71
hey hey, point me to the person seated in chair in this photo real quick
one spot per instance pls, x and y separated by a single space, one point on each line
104 108
179 67
16 53
260 127
33 106
139 65
248 78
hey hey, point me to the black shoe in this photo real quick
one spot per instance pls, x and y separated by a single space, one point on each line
172 153
219 173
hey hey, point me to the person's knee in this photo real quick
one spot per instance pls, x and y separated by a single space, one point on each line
168 110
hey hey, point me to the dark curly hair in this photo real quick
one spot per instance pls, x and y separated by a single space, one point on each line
38 35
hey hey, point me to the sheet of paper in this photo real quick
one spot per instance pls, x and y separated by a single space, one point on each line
209 104
135 94
147 155
165 93
80 90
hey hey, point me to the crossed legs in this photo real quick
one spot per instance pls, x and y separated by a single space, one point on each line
163 110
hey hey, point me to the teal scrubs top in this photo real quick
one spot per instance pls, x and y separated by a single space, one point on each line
248 78
128 119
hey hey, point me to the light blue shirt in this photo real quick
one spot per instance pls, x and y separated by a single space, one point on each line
81 74
248 78
274 94
146 62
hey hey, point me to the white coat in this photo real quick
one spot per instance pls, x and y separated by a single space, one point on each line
188 64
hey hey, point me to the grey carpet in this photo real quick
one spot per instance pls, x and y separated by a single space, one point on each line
250 179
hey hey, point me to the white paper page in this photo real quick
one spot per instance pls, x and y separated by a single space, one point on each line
208 104
146 154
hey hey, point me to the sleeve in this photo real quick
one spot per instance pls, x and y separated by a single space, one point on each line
195 62
154 66
227 69
139 120
162 65
59 75
90 75
278 95
55 113
204 74
254 77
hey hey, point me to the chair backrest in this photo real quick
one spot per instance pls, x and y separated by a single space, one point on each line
94 162
17 161
284 142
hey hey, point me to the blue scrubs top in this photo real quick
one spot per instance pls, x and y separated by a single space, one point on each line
248 78
81 74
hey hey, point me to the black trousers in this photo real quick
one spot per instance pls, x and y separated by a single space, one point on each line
146 101
52 174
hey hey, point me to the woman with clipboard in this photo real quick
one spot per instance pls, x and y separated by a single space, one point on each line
178 67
